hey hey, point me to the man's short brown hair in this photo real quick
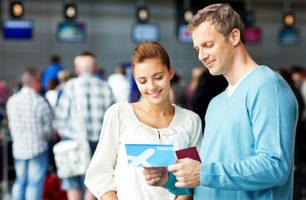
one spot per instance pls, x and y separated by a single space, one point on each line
222 16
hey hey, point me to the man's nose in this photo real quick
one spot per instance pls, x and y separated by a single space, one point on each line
202 55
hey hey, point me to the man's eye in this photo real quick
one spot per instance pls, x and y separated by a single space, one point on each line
158 77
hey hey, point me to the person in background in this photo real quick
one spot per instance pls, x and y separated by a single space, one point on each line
248 146
153 120
297 75
55 90
195 76
101 73
4 92
30 124
300 141
178 90
120 84
4 95
63 77
81 107
51 72
134 95
52 94
55 87
208 87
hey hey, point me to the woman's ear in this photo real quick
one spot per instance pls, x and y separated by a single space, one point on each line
171 72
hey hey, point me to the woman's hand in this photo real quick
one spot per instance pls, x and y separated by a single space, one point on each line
155 176
111 195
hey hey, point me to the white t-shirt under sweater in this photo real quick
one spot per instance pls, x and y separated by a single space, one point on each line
109 171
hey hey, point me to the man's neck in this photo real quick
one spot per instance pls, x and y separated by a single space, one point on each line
242 64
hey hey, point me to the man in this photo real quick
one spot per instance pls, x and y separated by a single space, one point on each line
30 123
247 150
81 107
51 72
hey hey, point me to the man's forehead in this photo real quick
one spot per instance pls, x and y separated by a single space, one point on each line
205 32
201 36
206 27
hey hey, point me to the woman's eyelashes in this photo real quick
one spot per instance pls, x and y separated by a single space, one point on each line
159 77
143 81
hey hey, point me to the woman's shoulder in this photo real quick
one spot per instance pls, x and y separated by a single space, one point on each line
188 121
117 108
186 114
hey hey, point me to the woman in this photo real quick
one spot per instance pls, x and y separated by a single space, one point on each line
152 120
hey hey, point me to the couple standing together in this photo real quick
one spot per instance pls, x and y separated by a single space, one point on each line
248 145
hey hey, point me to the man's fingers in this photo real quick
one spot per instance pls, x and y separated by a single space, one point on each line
178 173
181 185
180 179
184 179
184 182
175 167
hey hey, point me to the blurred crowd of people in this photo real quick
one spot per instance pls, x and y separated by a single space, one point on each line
45 104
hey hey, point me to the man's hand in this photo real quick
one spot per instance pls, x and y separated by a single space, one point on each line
187 172
155 176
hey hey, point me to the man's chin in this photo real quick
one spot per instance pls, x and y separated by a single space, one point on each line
214 73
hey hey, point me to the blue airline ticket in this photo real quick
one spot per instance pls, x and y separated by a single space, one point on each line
150 155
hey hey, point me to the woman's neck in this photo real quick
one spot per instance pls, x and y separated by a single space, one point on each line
161 109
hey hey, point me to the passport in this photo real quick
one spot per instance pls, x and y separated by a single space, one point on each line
190 152
150 155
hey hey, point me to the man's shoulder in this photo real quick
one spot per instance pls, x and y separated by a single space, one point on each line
30 97
70 84
13 98
271 85
262 75
91 78
20 95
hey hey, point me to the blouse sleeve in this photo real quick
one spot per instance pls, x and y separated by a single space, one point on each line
196 132
99 177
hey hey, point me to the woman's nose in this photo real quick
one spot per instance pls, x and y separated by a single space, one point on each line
151 85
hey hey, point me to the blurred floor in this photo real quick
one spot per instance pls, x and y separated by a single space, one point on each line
6 186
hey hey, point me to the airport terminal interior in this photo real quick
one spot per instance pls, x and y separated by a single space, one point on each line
43 33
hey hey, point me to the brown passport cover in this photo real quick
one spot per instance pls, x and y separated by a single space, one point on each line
190 152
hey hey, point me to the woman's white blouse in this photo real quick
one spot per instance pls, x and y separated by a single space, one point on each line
109 170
